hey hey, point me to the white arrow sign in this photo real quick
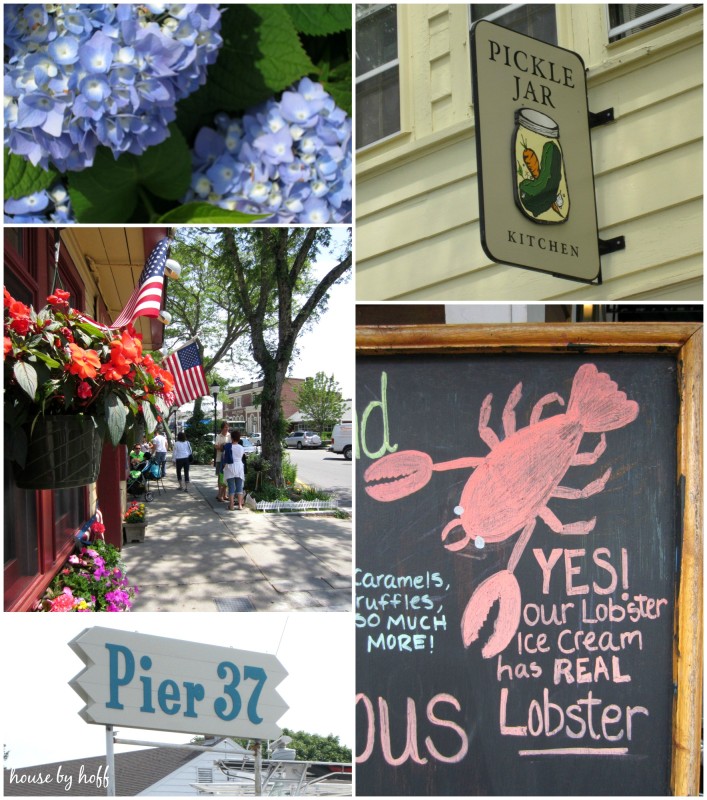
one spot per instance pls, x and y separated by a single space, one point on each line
143 681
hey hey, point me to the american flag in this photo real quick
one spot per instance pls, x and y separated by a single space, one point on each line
188 372
146 300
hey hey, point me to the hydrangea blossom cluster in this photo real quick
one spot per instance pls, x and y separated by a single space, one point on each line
82 75
49 205
290 159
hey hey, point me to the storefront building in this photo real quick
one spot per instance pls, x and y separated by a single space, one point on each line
418 219
242 408
100 268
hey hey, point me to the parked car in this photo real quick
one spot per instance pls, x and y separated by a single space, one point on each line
248 445
256 439
341 439
300 439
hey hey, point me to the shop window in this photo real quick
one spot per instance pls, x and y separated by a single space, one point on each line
627 19
37 536
69 514
20 536
377 73
537 21
14 237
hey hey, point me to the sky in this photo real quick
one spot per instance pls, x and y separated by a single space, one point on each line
329 347
40 711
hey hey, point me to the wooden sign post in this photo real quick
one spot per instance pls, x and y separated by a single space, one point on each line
529 577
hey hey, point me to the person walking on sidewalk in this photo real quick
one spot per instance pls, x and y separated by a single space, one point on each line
182 454
159 450
233 469
220 440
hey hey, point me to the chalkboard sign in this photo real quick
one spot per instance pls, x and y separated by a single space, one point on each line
521 544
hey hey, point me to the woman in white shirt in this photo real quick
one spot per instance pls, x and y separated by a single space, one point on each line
233 470
182 451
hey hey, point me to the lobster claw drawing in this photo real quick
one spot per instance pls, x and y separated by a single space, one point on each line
402 474
502 587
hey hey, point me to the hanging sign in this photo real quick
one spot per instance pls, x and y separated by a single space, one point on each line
150 682
534 158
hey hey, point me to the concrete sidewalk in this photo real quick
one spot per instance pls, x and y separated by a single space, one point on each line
198 556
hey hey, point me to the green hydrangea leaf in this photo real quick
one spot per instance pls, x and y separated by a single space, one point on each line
261 55
21 178
320 19
338 84
207 213
109 190
165 170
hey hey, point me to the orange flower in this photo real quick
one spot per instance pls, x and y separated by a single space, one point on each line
8 345
7 297
111 372
167 380
84 363
60 298
132 347
18 310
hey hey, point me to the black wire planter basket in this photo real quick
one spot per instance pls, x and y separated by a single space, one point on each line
64 452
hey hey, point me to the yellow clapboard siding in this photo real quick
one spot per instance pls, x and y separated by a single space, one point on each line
447 266
430 170
649 131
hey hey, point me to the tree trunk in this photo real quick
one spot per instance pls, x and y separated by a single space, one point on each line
271 433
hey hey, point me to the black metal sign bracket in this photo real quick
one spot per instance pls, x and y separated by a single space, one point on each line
600 117
607 246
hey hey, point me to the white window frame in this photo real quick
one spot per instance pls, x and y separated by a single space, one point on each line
379 70
652 16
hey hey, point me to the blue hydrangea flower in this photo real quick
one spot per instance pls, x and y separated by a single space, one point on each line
289 159
78 76
52 205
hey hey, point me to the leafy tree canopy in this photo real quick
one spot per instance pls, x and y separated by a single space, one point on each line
320 401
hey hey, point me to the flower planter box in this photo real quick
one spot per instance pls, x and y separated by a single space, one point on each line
134 531
64 453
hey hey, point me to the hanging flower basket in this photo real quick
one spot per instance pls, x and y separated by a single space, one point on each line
64 452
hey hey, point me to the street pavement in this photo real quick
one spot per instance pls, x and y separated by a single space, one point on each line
198 556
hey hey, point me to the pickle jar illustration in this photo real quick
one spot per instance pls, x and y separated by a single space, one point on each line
541 185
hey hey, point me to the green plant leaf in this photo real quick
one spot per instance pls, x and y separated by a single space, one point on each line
150 419
26 377
89 328
338 84
115 413
165 170
21 178
261 55
48 360
207 213
320 19
109 190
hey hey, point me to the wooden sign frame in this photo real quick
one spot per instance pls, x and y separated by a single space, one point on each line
684 342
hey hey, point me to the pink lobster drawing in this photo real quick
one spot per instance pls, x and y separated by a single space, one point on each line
511 486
